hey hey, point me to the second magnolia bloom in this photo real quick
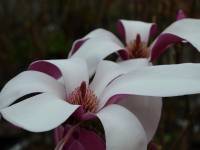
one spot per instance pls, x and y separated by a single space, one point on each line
100 43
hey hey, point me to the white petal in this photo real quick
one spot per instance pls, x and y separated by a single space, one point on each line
132 28
123 130
76 45
93 34
147 109
186 29
96 49
39 113
73 71
103 33
133 64
29 82
161 81
105 73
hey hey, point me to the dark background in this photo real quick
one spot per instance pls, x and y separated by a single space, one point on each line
44 29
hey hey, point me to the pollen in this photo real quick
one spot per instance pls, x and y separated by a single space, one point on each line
85 97
137 48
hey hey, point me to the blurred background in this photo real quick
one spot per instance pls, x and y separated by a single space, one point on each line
44 29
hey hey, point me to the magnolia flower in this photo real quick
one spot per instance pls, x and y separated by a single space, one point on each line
100 43
74 96
136 51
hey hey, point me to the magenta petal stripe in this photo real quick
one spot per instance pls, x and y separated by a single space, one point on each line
129 29
162 43
185 29
46 67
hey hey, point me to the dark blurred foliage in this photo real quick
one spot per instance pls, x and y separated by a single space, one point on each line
43 29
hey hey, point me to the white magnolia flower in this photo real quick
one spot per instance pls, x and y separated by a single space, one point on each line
100 43
59 99
136 51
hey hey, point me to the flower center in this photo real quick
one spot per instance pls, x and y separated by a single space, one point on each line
85 97
137 48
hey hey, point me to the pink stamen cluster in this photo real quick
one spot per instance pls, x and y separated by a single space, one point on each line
85 97
137 48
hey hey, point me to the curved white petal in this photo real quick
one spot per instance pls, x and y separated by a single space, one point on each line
147 109
93 34
96 49
123 130
108 71
133 64
73 71
161 81
184 29
39 113
105 73
105 34
29 82
129 30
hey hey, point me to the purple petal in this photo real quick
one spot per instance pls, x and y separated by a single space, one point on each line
162 43
181 15
84 139
121 31
88 116
185 29
116 99
90 140
80 114
46 67
76 145
123 54
58 133
152 146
